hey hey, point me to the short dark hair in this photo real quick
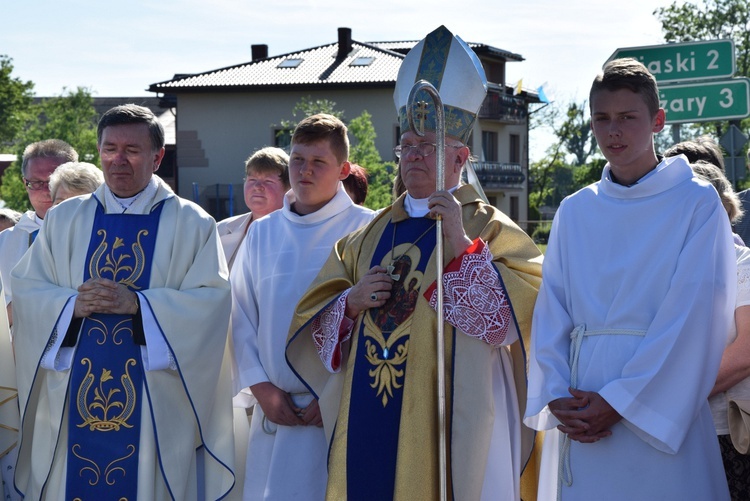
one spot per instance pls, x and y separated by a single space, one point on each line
324 127
49 148
269 160
701 148
132 114
356 185
628 73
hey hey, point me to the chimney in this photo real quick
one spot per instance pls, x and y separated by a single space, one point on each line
345 42
259 51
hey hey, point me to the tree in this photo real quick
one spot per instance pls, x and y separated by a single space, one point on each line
70 117
576 135
15 101
305 107
364 153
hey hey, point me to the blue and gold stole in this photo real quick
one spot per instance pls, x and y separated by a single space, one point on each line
107 375
381 362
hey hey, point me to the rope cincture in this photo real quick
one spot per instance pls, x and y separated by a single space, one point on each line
564 471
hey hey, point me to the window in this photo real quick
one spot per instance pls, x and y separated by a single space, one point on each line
282 138
362 61
290 63
489 146
515 149
514 211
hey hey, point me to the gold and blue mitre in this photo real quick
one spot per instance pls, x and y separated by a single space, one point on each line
450 65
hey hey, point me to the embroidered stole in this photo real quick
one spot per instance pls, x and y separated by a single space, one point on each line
380 366
107 375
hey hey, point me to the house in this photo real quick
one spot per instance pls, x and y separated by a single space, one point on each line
226 114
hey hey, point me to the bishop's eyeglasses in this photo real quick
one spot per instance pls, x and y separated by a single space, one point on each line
422 149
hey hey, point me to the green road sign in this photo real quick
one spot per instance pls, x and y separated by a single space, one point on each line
706 101
677 62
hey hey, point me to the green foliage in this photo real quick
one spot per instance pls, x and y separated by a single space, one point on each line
70 117
550 179
541 233
15 101
364 153
576 135
306 107
587 174
12 189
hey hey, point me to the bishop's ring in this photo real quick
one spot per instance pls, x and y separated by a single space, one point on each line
374 297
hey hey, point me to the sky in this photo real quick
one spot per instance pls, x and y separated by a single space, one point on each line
117 49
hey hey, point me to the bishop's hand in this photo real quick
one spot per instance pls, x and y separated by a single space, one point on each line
444 205
371 291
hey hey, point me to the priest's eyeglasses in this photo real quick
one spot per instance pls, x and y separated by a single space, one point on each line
423 149
36 185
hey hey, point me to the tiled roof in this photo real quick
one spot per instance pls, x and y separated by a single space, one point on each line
365 65
405 46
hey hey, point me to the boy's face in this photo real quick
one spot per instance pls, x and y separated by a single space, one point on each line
314 174
624 130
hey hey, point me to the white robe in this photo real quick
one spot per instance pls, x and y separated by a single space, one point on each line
282 254
656 257
8 410
14 242
186 422
232 232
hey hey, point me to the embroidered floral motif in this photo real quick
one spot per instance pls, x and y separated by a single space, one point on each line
475 301
325 331
386 374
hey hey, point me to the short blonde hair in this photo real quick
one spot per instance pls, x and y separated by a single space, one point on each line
80 177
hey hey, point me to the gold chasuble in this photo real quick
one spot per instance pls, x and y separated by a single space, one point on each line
387 380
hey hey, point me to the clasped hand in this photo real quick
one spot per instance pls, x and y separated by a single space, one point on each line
100 295
586 417
279 407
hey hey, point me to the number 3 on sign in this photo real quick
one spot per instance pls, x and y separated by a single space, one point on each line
727 100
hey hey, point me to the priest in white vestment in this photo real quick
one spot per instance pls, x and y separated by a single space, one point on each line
631 320
278 260
131 269
39 161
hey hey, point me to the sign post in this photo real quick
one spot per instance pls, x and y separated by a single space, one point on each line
677 62
706 101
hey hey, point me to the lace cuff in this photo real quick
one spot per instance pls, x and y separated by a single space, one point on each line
330 329
475 300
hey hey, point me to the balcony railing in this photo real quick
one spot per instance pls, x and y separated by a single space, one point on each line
499 175
504 108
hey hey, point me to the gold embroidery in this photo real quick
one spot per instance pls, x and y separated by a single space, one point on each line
96 471
104 401
385 373
99 327
113 265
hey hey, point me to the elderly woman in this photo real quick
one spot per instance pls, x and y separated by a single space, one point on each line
733 379
72 179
